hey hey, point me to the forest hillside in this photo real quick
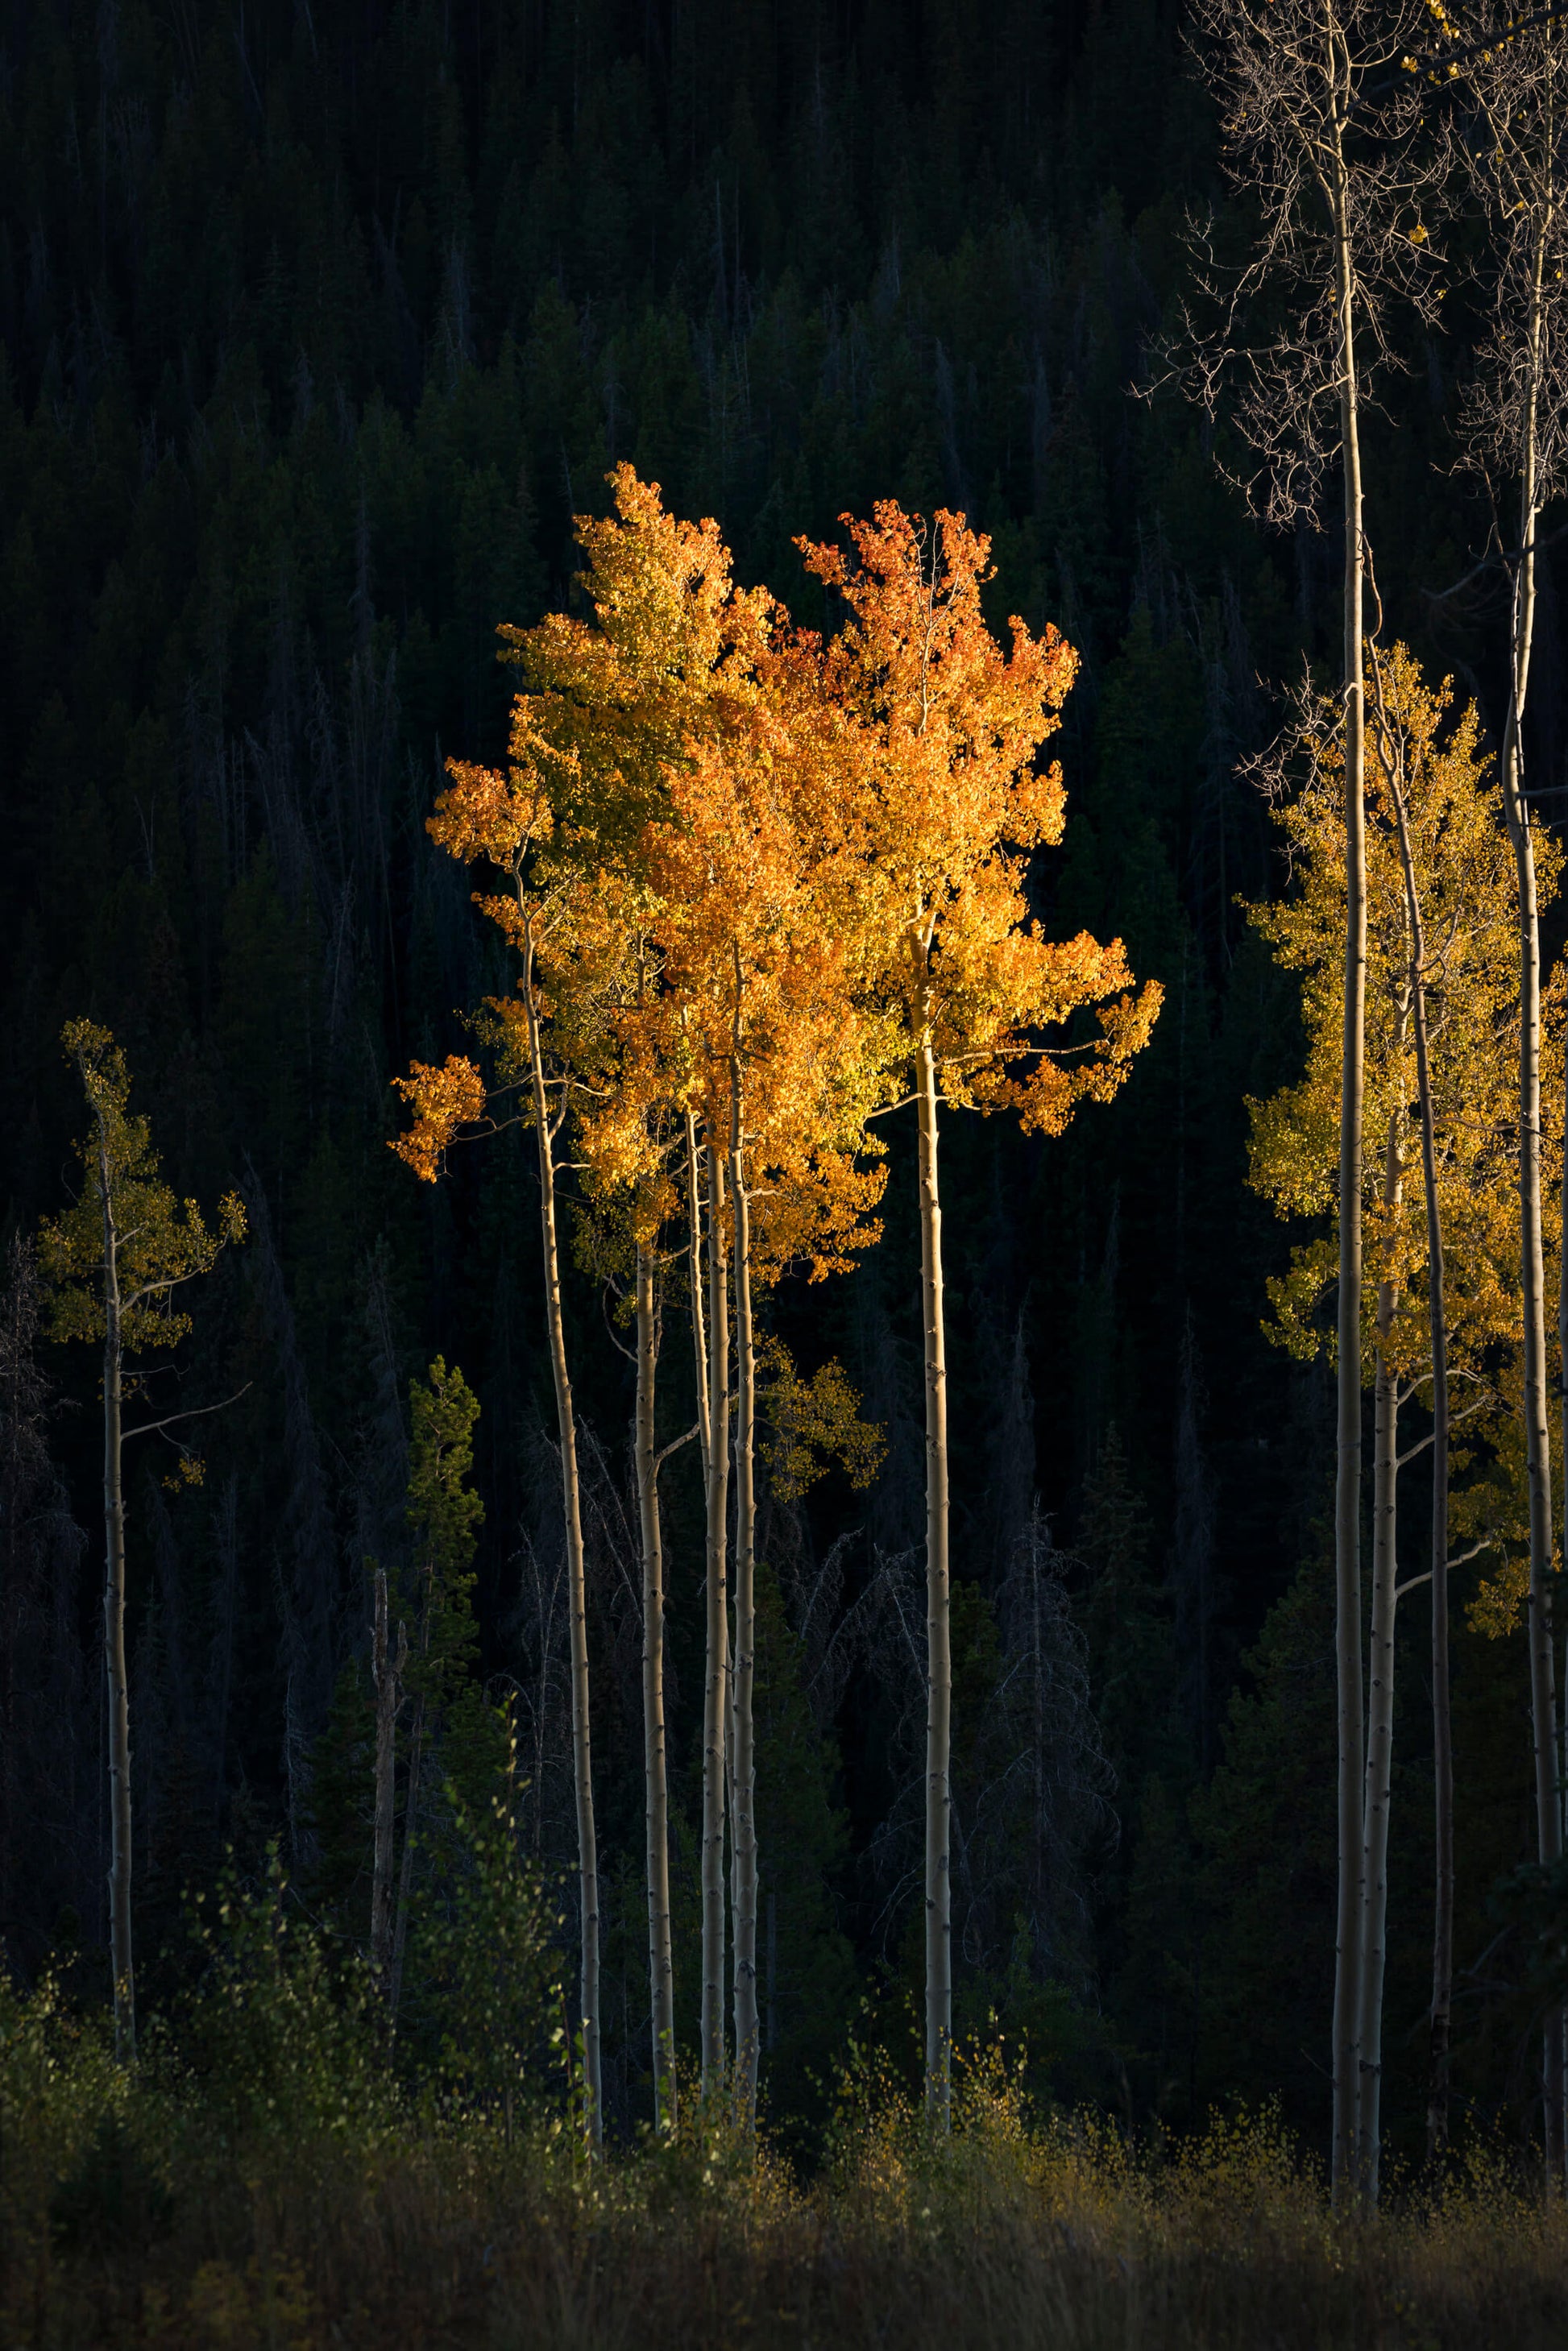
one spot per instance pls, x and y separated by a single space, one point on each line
871 1589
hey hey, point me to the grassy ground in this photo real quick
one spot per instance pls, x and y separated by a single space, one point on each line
275 2191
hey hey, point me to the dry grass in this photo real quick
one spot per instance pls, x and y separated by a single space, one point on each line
152 2211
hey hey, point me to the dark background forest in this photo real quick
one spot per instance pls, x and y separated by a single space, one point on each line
319 322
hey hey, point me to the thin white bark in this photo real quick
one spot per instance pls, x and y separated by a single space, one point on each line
1438 1322
939 1659
576 1590
1347 1492
1538 1458
1380 1710
697 1262
742 1746
661 1964
715 1696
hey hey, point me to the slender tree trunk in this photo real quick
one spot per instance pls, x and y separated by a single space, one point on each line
1437 1312
697 1263
716 1699
661 1964
410 1832
1538 1457
386 1671
743 1744
1347 1490
939 1660
114 1634
1379 1710
577 1586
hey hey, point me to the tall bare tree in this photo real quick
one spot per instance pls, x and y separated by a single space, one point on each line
1318 119
1516 435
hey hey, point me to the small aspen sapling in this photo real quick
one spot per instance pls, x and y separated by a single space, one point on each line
115 1262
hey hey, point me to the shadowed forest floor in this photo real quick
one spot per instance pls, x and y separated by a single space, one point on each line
294 2197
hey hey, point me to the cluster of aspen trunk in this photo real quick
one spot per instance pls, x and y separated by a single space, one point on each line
763 891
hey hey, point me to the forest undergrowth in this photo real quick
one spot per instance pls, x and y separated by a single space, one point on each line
265 2177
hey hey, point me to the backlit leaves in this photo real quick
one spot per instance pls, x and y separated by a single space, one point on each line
159 1242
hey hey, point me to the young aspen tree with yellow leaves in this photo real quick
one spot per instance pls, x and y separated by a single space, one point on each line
1429 974
1318 124
1438 1293
115 1260
949 803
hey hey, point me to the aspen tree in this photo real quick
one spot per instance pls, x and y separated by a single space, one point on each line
486 816
612 713
948 727
115 1260
1316 123
1437 867
608 706
686 811
1425 975
1515 74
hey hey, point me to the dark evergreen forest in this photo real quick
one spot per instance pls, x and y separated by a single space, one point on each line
320 323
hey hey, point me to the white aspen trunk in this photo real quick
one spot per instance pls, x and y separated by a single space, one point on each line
697 1263
1543 1694
743 1743
116 1682
1442 1720
386 1672
661 1963
577 1585
715 1696
939 1658
1347 1488
1380 1714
